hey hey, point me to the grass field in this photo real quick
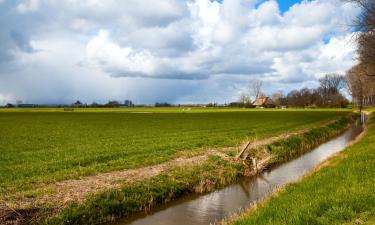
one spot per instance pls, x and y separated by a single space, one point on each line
38 146
342 192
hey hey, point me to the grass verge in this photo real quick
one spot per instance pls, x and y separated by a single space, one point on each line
340 192
142 196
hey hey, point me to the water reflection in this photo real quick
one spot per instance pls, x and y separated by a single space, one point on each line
212 207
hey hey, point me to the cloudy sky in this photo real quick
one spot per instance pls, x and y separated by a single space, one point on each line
180 51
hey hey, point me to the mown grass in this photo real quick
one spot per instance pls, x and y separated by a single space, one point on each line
342 192
45 145
142 196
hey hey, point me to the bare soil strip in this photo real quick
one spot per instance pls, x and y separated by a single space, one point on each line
64 192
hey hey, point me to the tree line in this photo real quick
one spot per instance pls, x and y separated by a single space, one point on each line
328 94
360 78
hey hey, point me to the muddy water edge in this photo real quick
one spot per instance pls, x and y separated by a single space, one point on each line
221 204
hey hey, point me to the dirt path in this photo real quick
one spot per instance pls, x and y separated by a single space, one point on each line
64 192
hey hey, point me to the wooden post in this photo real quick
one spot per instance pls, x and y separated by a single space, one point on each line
255 165
243 150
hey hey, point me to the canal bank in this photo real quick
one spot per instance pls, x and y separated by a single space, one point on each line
339 191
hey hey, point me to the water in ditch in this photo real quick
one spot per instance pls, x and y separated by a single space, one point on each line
216 206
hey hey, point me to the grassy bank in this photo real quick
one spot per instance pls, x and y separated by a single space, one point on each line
43 146
142 196
288 148
208 176
340 192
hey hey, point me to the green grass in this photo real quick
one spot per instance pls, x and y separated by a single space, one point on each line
38 146
288 148
340 193
176 182
142 196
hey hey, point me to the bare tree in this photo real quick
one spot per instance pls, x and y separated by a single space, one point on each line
365 23
355 79
244 98
256 86
330 86
277 97
300 98
366 20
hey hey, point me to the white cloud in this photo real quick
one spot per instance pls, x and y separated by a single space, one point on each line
337 56
28 6
113 44
267 14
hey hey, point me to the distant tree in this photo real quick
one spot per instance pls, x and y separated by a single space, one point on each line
330 87
256 88
112 104
236 104
128 103
365 23
245 100
277 98
299 98
162 104
95 105
356 81
306 97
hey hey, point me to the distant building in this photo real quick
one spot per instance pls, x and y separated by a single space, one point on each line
264 102
26 105
77 104
127 103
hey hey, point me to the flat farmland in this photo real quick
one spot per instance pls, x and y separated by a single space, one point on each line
45 146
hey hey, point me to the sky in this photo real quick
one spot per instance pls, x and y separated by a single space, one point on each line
177 51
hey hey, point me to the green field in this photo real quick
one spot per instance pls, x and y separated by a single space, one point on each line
39 146
342 192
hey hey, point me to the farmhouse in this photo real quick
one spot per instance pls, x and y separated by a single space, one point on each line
264 102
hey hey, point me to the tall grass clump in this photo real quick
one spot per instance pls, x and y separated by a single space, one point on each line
142 196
